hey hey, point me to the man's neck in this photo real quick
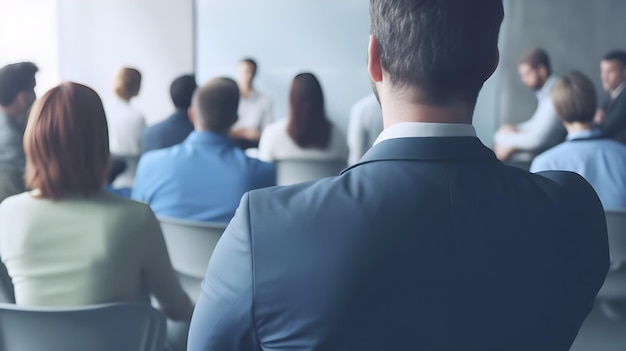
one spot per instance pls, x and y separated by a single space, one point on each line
576 127
11 112
401 107
246 90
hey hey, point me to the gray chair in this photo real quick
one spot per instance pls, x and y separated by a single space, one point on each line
293 171
614 287
190 245
116 326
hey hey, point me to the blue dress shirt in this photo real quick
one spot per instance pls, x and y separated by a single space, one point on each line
602 162
202 179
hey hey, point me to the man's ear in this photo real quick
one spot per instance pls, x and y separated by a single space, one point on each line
374 67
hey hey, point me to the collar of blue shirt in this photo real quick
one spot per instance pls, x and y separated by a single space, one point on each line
584 134
208 137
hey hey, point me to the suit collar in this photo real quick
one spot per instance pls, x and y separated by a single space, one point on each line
428 149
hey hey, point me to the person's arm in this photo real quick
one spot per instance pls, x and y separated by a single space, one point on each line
223 317
615 120
265 146
140 186
535 133
160 278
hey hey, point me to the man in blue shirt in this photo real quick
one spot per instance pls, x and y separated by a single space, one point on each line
176 127
204 177
601 161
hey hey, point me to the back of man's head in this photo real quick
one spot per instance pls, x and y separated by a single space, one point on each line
574 98
536 58
214 105
15 78
444 48
616 55
181 91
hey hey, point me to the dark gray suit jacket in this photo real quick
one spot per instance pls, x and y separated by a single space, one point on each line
426 244
614 125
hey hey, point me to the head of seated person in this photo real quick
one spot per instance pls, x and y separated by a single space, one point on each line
574 99
214 106
308 125
127 83
66 143
181 91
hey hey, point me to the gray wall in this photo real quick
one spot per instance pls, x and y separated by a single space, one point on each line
576 34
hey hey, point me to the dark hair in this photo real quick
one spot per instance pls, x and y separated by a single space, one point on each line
181 91
250 61
616 55
15 78
574 98
66 142
445 48
127 83
536 58
308 125
215 105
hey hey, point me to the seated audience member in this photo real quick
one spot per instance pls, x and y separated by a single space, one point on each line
204 177
255 109
17 84
364 126
612 114
126 124
68 242
307 133
430 242
601 161
176 127
543 130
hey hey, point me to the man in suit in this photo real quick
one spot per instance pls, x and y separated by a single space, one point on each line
612 114
177 126
429 242
204 177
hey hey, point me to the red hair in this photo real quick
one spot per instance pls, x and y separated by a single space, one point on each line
67 143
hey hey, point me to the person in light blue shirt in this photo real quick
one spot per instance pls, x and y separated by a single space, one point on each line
601 161
204 177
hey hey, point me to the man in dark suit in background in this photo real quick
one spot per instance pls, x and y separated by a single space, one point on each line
429 242
612 114
177 126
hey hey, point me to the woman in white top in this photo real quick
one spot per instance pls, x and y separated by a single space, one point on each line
126 124
69 243
307 133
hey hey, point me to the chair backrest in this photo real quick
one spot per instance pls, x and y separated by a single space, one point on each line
116 326
293 171
614 287
616 225
190 245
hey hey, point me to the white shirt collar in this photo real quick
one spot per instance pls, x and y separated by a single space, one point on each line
615 93
422 129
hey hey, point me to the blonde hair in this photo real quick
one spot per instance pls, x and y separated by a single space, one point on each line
127 83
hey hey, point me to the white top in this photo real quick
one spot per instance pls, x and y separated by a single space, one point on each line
81 251
125 128
542 130
364 126
276 144
255 111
